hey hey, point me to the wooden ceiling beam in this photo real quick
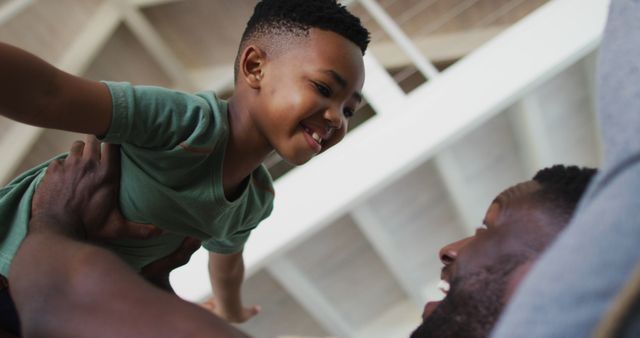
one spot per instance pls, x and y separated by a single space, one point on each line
307 294
437 48
12 8
395 261
155 45
400 39
453 181
526 117
147 3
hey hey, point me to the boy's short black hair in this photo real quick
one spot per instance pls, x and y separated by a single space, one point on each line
296 17
563 186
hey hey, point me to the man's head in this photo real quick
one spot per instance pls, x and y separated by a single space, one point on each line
299 72
482 270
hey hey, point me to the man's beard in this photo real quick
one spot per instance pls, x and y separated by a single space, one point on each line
472 306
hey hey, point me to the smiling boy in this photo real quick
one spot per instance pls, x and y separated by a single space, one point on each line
191 163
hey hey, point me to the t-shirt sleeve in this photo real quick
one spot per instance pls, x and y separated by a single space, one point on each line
232 244
235 242
154 117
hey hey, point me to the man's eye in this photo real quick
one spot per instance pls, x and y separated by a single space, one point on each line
323 90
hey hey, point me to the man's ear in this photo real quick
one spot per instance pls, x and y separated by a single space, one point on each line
251 66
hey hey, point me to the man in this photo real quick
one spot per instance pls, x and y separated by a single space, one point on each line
483 270
94 294
574 284
97 295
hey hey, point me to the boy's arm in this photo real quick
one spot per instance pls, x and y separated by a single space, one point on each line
35 92
227 274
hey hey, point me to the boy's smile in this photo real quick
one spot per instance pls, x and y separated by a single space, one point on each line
307 93
316 135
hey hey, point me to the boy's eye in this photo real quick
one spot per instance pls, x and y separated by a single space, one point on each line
348 113
323 90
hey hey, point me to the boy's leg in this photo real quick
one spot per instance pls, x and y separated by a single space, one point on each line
9 321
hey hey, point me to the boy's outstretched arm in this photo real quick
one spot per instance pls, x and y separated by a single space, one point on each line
35 92
227 275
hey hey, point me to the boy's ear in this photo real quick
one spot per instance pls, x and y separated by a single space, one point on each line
252 64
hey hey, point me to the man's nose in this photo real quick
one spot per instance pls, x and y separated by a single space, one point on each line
449 252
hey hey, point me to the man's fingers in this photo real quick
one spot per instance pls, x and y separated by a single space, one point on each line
117 226
111 158
76 149
178 258
92 148
183 254
139 230
54 166
190 245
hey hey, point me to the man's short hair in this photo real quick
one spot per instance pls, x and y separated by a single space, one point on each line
562 187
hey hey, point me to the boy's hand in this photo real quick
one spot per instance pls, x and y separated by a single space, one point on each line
226 272
239 315
157 273
82 192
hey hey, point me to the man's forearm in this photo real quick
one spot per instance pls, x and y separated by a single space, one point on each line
66 288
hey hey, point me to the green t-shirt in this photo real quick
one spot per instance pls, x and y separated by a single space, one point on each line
173 146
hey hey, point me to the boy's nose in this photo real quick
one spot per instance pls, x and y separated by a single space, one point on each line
334 118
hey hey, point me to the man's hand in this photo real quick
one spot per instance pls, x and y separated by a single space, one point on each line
157 273
81 192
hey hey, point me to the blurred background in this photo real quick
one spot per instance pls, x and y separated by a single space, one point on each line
463 99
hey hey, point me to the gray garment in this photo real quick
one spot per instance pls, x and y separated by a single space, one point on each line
569 290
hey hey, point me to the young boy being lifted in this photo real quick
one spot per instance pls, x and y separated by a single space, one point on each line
191 163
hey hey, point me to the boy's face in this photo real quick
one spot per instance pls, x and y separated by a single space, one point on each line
307 93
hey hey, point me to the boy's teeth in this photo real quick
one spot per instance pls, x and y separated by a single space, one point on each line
317 137
443 286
